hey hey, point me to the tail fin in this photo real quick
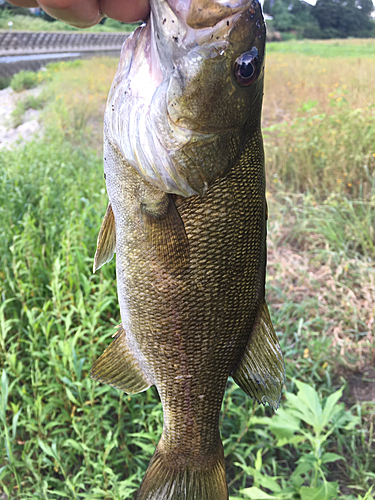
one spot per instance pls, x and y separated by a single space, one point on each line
165 479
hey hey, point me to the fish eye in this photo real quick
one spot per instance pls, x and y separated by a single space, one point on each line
246 67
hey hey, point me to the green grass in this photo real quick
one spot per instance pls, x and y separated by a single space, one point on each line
332 48
64 436
25 80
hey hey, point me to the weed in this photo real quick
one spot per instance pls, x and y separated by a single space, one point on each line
24 80
305 425
29 102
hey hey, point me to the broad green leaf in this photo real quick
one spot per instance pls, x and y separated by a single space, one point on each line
47 449
326 491
256 494
249 471
346 420
313 493
284 425
293 441
74 444
267 482
300 410
331 457
258 460
308 458
71 397
331 408
308 395
59 493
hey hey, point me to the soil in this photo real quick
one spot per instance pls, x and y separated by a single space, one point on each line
360 386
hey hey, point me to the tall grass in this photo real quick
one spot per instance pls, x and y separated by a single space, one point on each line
319 119
65 436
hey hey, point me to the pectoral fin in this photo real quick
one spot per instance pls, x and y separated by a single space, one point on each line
118 367
106 244
165 231
261 372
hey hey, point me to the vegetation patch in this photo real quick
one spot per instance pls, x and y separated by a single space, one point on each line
362 47
35 102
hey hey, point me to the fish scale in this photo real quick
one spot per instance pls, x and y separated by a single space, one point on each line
190 268
220 300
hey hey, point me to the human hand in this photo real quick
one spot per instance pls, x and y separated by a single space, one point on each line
86 13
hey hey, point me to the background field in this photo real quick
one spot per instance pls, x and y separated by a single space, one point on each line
64 436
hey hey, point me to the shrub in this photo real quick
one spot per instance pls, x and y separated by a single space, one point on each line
4 82
24 80
312 30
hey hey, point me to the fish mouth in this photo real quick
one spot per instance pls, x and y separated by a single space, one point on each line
196 21
201 14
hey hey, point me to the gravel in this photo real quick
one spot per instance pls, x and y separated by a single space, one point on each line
12 137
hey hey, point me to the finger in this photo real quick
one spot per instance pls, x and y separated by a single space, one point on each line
127 11
79 13
25 3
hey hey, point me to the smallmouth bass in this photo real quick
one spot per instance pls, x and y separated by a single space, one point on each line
184 169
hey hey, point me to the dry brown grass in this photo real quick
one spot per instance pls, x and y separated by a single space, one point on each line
319 124
295 79
338 300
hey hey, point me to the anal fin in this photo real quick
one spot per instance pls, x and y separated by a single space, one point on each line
118 367
261 372
106 244
165 231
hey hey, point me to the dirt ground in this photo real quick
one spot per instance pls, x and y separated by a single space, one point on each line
361 386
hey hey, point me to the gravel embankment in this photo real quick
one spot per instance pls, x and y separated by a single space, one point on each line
10 137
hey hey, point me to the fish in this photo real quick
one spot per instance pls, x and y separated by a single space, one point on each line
187 219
